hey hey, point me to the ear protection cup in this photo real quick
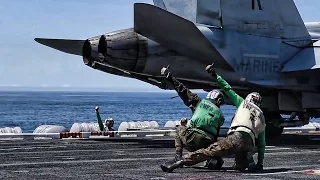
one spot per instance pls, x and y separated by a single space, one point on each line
220 101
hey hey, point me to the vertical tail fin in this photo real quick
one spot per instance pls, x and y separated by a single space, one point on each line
197 11
183 8
272 18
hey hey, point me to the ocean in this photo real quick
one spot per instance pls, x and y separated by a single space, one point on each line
28 110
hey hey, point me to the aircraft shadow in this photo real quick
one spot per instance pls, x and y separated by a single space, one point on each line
297 141
285 140
230 170
288 140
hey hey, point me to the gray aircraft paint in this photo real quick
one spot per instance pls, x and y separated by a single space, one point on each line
257 45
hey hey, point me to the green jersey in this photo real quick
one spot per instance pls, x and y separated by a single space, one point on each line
207 119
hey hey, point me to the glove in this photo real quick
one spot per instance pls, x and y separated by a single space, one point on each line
97 108
165 71
211 70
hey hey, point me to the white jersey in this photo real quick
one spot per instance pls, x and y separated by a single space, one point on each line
249 118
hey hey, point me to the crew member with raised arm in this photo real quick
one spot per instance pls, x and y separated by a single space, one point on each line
247 130
205 123
108 123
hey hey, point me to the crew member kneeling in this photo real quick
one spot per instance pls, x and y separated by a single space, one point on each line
247 130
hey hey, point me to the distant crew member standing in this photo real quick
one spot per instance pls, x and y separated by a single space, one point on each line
205 122
108 123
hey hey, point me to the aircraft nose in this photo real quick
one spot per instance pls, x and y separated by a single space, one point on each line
123 49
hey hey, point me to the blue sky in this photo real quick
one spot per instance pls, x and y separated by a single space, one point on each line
27 63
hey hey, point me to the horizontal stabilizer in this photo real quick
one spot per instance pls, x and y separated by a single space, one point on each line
176 33
306 60
65 45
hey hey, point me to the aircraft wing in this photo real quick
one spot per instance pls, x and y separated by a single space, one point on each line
314 30
65 45
306 61
176 33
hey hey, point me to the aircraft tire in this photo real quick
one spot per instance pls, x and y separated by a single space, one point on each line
273 130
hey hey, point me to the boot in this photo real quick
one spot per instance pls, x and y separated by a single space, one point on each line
239 167
178 155
248 162
251 164
252 167
171 167
214 164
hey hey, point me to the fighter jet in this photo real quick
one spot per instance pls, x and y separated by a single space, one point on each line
256 45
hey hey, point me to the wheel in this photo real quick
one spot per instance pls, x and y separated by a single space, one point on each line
272 119
273 130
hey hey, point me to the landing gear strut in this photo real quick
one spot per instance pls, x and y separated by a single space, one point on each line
272 121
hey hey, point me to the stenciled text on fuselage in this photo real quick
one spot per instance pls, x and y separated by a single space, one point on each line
259 65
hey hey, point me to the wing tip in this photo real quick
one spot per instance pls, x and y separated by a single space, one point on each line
69 46
37 40
40 40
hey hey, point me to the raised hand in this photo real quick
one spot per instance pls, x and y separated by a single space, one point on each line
210 70
165 71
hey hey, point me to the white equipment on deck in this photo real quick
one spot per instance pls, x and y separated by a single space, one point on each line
125 130
85 127
50 129
15 130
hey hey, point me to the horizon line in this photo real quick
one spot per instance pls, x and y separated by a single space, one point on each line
69 89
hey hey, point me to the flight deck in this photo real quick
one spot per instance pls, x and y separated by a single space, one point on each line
293 156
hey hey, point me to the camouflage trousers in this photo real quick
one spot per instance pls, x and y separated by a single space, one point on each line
237 143
191 140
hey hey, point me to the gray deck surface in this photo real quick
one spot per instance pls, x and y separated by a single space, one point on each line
286 158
